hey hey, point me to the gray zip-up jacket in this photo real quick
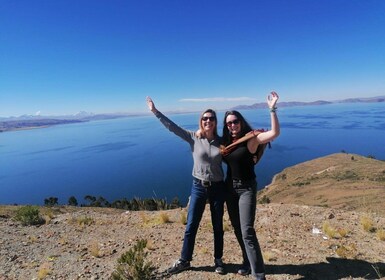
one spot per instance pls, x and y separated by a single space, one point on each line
206 155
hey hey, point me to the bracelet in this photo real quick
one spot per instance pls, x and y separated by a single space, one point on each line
273 109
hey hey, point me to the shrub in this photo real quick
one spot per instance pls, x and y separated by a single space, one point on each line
72 201
175 203
29 215
51 201
132 264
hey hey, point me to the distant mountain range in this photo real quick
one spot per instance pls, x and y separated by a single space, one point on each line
313 103
38 121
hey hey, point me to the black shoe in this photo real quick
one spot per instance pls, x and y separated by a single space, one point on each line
260 276
244 270
219 266
178 266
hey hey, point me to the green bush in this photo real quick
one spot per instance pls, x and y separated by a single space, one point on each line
132 264
29 215
51 201
72 201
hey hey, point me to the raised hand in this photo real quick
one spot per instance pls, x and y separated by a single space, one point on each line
151 104
272 99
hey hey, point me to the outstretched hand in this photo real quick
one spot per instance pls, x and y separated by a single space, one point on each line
150 104
272 99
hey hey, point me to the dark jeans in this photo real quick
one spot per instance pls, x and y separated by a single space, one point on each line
215 194
241 201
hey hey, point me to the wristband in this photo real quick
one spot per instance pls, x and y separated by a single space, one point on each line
273 109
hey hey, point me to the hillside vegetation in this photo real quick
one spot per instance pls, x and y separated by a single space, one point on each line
340 181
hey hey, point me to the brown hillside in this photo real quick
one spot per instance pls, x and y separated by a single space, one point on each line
342 181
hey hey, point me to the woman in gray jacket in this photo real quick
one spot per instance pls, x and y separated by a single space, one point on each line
207 184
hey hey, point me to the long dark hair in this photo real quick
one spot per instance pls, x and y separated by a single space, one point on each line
245 127
212 112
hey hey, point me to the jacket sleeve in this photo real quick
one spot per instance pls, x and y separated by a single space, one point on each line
174 128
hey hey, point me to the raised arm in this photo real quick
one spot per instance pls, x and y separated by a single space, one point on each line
269 135
169 124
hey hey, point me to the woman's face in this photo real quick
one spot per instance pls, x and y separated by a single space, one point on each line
233 125
208 121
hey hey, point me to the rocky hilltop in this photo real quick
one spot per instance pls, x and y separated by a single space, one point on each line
340 181
324 222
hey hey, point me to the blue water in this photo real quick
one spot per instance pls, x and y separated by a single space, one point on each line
138 157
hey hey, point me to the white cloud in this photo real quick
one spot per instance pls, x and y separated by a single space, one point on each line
218 99
38 113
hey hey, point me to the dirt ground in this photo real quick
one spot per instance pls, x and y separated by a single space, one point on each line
85 243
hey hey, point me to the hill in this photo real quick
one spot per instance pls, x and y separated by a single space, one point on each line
340 181
377 99
339 240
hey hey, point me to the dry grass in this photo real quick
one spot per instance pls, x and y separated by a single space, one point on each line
44 271
81 221
329 230
183 217
145 218
269 256
342 232
227 226
381 234
347 251
367 224
164 218
94 249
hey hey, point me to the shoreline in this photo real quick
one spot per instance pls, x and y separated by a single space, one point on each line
44 122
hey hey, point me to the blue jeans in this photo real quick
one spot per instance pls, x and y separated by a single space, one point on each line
241 201
215 194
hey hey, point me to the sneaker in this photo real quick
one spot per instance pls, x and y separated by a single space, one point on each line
244 270
178 266
219 267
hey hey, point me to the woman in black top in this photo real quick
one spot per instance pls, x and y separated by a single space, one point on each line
242 186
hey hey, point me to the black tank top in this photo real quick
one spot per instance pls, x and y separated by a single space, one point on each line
240 163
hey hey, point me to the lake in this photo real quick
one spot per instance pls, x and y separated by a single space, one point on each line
138 157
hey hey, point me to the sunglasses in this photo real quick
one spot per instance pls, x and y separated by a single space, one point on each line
235 122
208 118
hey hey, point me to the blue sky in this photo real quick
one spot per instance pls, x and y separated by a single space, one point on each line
64 56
